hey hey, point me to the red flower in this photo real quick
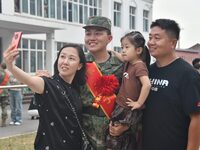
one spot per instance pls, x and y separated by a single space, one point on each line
106 85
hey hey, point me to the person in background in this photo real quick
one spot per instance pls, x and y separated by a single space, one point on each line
97 37
171 119
58 127
133 92
15 102
196 64
4 95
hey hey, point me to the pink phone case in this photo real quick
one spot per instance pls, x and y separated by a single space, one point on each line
16 39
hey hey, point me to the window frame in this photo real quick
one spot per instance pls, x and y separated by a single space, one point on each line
145 20
117 14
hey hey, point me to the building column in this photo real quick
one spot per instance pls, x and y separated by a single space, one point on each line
5 4
50 48
125 15
6 37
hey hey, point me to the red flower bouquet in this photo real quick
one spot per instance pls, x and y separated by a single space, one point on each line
105 86
102 88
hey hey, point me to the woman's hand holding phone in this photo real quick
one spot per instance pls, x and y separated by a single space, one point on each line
12 52
16 39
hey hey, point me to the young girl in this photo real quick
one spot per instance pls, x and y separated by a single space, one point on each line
58 128
133 92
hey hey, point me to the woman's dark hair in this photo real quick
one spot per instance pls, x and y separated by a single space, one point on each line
137 39
80 77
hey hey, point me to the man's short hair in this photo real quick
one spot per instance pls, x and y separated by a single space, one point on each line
171 27
3 65
196 63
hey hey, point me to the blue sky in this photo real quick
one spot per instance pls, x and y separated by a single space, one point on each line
186 13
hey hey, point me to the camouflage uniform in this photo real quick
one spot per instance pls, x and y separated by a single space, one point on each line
3 98
98 21
94 120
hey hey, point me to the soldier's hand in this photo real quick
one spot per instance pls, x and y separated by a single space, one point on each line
117 129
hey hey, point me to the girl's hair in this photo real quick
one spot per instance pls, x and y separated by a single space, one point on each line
137 39
80 77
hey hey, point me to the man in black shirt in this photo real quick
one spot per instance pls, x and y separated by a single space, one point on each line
172 115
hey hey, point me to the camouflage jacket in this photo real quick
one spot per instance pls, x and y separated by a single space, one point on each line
94 119
3 92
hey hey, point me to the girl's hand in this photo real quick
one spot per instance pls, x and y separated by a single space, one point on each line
133 104
10 56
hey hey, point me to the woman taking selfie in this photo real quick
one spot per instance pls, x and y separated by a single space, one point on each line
58 128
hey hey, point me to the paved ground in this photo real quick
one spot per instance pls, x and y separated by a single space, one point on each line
27 126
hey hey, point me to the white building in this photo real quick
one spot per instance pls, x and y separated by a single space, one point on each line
48 24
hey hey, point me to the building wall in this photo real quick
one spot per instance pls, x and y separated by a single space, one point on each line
188 56
55 31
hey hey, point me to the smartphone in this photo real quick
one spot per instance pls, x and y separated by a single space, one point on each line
16 39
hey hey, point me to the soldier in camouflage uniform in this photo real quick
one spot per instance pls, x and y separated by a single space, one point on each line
3 94
97 37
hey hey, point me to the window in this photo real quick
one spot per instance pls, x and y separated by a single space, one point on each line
75 12
80 13
59 45
91 8
17 5
59 9
85 13
69 10
24 57
117 14
32 7
52 8
39 7
145 20
46 8
32 55
25 6
40 54
18 60
132 17
64 10
117 49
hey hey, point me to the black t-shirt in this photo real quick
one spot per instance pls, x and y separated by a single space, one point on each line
58 128
174 95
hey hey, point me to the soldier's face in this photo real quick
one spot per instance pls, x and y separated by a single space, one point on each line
96 39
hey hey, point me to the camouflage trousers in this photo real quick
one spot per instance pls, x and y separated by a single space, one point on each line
3 104
94 127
